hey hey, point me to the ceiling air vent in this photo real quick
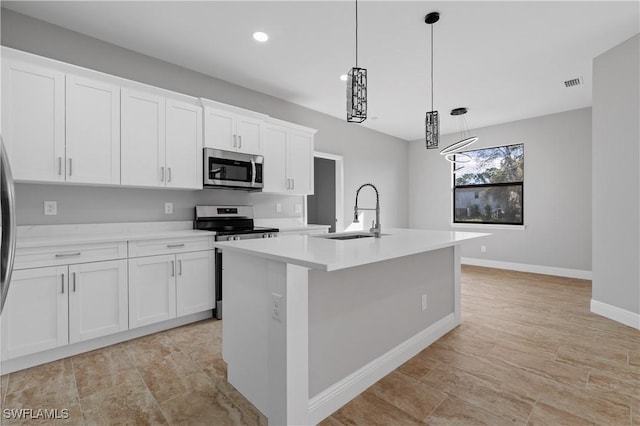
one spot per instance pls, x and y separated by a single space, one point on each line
573 82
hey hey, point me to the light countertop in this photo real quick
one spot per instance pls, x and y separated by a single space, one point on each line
331 255
59 235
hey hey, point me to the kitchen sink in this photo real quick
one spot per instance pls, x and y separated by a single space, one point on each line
349 237
346 235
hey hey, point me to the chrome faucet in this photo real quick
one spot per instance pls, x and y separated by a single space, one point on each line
376 230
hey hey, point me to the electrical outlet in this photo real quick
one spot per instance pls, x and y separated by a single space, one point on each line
483 249
276 307
298 208
50 208
168 208
278 208
424 302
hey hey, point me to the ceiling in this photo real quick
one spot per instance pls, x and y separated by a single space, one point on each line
503 60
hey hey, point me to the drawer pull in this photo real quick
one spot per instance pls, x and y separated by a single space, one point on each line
67 254
175 245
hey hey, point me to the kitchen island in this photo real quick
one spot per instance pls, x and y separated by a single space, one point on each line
310 322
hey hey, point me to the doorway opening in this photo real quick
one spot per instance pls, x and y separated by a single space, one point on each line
326 205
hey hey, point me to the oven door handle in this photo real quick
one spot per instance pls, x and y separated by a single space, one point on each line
253 172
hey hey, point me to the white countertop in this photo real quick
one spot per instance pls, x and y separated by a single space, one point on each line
58 235
331 255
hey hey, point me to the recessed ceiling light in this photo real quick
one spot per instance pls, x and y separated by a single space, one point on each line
343 77
260 36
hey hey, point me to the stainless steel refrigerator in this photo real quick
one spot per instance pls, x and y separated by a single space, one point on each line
8 230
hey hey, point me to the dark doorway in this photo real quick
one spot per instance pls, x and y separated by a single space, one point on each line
321 206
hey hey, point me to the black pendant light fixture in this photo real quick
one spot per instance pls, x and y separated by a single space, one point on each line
357 88
431 120
452 152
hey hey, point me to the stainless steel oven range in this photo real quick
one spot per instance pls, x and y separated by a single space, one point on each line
229 223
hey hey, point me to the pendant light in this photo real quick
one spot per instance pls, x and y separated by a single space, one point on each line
357 88
431 120
452 152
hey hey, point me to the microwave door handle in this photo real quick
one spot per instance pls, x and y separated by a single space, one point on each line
253 173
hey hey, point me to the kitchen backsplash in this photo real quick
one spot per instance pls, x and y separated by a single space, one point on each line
86 204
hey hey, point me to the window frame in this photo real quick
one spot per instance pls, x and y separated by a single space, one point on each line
484 223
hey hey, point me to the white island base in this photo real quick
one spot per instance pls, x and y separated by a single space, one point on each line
300 342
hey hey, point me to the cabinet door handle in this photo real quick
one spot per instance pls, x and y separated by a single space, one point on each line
58 255
169 174
60 166
173 268
161 174
74 282
240 141
235 140
70 166
293 184
180 267
175 245
62 282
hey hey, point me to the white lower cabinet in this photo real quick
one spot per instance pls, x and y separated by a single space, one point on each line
54 306
195 282
97 299
36 313
167 286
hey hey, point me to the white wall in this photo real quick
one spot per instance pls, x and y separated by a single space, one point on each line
368 155
557 193
616 182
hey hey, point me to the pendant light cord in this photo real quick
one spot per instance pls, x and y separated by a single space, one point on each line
431 66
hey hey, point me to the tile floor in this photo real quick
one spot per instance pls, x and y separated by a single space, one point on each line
528 352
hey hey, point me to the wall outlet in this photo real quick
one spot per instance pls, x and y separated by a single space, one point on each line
483 249
50 208
168 208
298 208
276 307
424 302
278 208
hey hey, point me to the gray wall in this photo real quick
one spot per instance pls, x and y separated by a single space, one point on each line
616 180
557 191
321 206
368 155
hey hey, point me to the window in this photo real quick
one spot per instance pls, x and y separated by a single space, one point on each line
489 189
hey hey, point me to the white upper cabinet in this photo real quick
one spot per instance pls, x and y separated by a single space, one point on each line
232 129
183 144
92 131
300 162
161 141
33 120
275 154
143 138
288 158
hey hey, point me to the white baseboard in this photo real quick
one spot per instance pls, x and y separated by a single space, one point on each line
28 361
523 267
340 393
617 314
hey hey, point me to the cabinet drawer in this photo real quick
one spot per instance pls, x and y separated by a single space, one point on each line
35 257
168 246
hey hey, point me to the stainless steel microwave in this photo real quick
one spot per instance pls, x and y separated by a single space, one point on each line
232 170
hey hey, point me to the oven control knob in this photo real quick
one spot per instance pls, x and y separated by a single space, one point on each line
237 238
265 235
271 235
230 238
